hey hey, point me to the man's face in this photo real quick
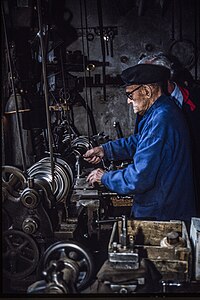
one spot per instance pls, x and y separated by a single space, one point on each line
138 98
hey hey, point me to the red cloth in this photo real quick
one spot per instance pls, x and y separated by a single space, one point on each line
186 99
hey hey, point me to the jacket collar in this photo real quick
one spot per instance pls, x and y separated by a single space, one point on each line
154 106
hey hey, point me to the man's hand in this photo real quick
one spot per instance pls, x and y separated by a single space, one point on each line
95 176
94 155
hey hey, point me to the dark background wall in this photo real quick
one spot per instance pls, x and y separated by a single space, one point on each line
142 30
139 27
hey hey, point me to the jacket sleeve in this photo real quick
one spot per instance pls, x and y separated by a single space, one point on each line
140 176
120 149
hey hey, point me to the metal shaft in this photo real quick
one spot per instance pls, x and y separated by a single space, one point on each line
45 89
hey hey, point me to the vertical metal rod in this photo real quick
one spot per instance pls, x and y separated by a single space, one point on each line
39 11
84 66
88 53
124 231
14 92
100 17
65 94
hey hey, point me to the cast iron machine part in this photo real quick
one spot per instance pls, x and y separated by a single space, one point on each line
27 201
30 214
63 176
125 270
67 267
124 240
123 254
25 207
20 254
13 180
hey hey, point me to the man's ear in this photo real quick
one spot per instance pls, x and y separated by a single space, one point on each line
147 91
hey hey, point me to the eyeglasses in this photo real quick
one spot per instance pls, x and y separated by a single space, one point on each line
129 94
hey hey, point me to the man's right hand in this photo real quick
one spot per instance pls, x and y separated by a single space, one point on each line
94 155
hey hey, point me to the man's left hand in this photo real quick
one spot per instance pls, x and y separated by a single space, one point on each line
95 176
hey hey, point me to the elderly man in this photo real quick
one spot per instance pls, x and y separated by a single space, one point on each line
160 177
186 95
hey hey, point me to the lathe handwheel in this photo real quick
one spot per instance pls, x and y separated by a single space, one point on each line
20 254
76 252
13 180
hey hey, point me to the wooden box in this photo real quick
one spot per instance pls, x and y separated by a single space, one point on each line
173 262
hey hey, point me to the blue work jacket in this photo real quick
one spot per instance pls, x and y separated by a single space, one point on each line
161 175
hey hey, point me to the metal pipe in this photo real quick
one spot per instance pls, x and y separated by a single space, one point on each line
112 235
84 66
14 93
88 52
45 89
100 17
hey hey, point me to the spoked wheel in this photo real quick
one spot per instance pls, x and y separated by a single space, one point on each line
20 254
73 251
13 181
